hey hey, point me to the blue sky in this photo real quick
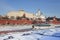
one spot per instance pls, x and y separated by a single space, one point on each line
48 7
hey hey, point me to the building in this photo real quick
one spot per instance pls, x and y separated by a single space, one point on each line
40 15
20 13
53 20
29 15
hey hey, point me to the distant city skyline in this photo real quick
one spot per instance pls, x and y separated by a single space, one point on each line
47 7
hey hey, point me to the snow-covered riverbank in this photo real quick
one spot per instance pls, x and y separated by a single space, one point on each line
46 34
14 27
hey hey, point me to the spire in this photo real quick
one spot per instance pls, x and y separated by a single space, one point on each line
39 13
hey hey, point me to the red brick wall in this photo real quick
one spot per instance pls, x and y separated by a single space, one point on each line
23 21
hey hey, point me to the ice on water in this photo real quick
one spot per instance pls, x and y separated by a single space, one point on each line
46 34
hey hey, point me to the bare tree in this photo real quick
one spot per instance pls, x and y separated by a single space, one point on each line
5 17
12 17
18 18
24 15
0 17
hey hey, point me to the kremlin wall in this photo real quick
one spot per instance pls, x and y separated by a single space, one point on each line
23 17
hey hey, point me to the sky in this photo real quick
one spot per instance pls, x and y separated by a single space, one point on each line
47 7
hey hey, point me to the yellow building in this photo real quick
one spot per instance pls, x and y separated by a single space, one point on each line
20 14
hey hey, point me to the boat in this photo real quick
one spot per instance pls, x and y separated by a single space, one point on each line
43 26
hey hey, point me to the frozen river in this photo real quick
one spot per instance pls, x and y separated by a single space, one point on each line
46 34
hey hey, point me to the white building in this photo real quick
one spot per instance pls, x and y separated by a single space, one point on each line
20 13
40 15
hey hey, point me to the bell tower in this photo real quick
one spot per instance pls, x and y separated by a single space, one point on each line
39 13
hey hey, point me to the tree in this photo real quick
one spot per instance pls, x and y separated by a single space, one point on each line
12 17
24 15
4 17
18 17
0 17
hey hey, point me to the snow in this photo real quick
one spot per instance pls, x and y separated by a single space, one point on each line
46 34
14 27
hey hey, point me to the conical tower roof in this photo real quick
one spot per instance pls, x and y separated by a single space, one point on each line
39 14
